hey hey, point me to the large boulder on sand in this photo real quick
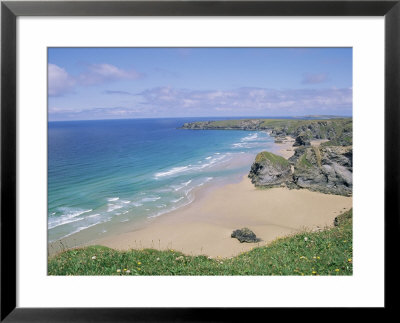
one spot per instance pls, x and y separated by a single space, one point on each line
245 235
269 170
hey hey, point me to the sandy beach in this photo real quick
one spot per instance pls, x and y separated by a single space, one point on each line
205 226
285 148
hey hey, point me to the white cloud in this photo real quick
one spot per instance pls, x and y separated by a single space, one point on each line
59 81
100 73
248 101
167 101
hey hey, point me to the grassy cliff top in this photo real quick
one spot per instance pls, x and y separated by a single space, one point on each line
339 130
274 159
326 252
268 123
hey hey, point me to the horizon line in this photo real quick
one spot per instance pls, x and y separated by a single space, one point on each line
317 116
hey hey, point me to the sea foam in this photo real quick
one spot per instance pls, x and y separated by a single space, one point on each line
69 215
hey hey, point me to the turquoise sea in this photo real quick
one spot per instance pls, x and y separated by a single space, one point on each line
119 171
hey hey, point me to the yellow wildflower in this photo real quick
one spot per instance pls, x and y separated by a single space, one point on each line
139 263
349 260
337 269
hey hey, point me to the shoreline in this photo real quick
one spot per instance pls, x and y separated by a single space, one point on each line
204 226
91 235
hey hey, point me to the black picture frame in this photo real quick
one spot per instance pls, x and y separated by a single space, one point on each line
10 10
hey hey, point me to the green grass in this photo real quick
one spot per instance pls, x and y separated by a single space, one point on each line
303 161
274 159
343 140
317 155
326 252
339 130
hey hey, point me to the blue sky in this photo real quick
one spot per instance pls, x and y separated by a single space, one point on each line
115 83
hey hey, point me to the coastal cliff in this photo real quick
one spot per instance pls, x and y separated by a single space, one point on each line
322 169
270 170
338 131
325 168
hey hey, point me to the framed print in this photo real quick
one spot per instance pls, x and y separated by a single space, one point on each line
179 155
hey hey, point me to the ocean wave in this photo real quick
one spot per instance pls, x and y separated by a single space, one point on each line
250 137
214 161
111 207
113 199
205 181
69 215
190 200
93 215
150 199
240 145
136 204
250 141
79 229
187 192
211 161
177 200
182 185
172 171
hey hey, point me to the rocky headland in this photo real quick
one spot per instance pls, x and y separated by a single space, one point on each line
338 131
326 168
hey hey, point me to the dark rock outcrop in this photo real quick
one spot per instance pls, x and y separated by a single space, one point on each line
303 139
324 169
327 168
245 235
270 170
